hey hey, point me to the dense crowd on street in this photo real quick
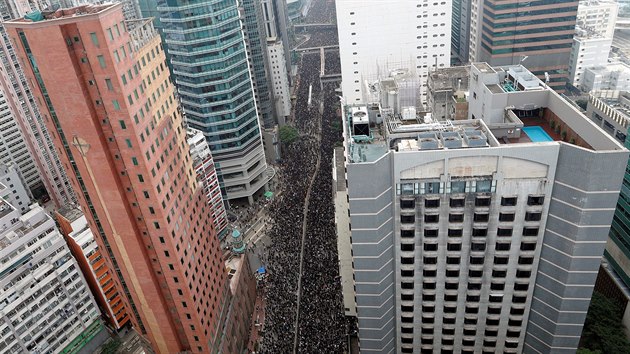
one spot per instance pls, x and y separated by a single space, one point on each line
321 326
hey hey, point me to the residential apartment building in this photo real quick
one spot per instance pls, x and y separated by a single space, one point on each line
45 303
587 52
537 35
206 43
104 88
480 235
80 239
598 16
40 165
376 38
207 177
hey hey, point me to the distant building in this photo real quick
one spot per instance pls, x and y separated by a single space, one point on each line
45 302
598 16
610 110
612 76
279 79
447 96
377 38
484 234
80 239
538 37
460 32
207 177
587 52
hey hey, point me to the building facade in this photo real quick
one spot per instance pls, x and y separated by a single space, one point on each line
466 235
256 44
279 79
460 32
207 177
610 110
538 36
211 70
82 244
104 89
39 279
377 38
13 191
587 52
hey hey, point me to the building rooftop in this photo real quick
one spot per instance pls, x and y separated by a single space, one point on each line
67 13
515 107
449 78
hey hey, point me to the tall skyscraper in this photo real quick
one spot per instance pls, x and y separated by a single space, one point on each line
537 35
104 89
376 38
482 235
460 32
212 75
41 166
256 44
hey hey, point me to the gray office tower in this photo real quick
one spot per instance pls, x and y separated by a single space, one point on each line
256 43
481 235
460 32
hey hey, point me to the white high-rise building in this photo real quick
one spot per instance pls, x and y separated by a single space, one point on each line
45 303
13 191
598 16
587 52
279 78
376 38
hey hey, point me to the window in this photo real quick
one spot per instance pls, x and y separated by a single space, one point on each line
530 231
499 273
533 216
134 161
430 232
431 218
406 273
528 246
140 178
504 232
454 247
406 233
406 286
428 286
128 142
429 272
482 202
124 79
477 246
406 297
508 201
109 34
406 189
457 202
430 247
429 260
407 219
479 232
525 260
497 286
431 203
455 232
122 124
484 186
535 200
406 260
475 273
506 216
407 204
94 38
432 187
476 260
478 217
101 60
456 217
109 85
501 260
407 247
452 260
116 105
458 186
502 246
146 194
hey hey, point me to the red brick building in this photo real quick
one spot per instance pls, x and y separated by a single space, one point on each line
103 86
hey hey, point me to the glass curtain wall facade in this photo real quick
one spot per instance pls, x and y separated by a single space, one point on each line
209 59
256 40
539 35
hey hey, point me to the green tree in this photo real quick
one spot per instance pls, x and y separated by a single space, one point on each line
288 134
603 331
582 103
